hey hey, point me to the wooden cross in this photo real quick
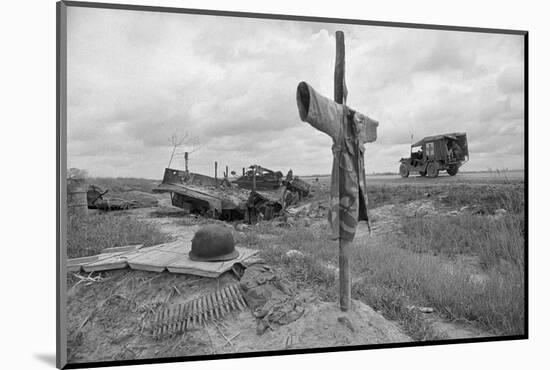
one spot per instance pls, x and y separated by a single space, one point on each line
340 96
349 130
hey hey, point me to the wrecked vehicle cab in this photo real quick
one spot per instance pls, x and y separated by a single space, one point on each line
446 152
265 179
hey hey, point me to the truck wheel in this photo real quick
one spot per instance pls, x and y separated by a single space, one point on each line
422 173
432 170
453 170
403 170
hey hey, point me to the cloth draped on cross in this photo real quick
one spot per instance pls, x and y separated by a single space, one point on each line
349 131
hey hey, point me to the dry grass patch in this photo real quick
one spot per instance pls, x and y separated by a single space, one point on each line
89 235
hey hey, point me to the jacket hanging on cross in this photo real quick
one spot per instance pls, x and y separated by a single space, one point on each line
349 131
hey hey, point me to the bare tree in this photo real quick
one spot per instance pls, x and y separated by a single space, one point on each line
76 173
182 144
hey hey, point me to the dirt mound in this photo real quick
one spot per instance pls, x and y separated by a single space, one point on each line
322 325
110 320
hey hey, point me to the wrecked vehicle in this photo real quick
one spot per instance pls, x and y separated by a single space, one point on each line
446 152
296 185
94 195
263 206
209 197
96 200
264 178
119 200
202 195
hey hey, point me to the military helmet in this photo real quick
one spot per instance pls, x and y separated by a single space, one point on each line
213 243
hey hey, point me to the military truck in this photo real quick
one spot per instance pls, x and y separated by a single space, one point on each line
446 152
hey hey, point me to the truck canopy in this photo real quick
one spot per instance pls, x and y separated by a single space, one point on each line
452 136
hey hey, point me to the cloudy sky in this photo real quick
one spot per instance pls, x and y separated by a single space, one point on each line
137 78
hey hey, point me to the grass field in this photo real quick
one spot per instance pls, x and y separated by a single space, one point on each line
89 235
463 257
469 268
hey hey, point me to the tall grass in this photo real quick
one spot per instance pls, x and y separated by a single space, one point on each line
418 268
395 277
488 198
491 239
89 235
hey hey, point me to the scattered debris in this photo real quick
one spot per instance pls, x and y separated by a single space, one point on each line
176 319
115 204
126 200
330 268
88 279
313 210
241 227
420 309
262 206
260 177
294 253
271 298
295 186
345 321
499 213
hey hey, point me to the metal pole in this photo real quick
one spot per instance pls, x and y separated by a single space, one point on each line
254 178
344 246
216 173
186 161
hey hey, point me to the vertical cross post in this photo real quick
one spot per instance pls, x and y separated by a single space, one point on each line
344 246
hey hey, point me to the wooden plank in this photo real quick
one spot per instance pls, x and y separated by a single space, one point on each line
172 256
113 262
126 248
157 258
75 264
182 245
184 265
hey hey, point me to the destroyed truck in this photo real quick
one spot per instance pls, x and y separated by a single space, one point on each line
203 195
446 152
214 198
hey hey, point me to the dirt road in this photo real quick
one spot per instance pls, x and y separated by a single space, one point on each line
484 178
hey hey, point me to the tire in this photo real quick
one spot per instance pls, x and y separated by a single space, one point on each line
422 173
453 170
432 170
403 170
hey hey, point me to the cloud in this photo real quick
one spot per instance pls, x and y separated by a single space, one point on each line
511 79
135 78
